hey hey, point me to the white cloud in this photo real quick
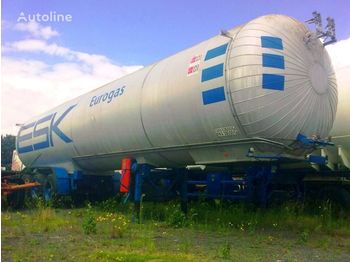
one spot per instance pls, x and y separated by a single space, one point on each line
32 86
99 64
36 29
38 46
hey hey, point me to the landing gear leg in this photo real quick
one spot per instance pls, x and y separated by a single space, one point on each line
183 191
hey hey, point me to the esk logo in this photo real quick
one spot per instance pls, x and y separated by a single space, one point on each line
46 132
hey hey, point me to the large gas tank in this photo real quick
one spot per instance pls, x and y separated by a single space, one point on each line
258 85
339 155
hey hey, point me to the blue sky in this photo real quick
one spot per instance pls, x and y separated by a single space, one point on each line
141 32
47 63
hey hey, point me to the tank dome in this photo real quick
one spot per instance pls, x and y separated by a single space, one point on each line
280 82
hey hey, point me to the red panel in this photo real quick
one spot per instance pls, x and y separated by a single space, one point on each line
126 174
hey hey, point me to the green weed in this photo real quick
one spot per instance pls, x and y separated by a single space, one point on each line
117 224
304 236
111 205
89 225
106 255
177 218
225 251
89 222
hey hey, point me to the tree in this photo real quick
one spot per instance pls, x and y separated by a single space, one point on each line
8 144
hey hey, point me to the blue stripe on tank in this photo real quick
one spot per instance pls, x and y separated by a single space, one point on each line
271 60
213 95
217 51
271 42
272 81
212 72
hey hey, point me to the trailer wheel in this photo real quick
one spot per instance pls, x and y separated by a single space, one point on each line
38 192
345 196
49 188
337 195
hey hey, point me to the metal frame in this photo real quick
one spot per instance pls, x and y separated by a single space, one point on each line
327 34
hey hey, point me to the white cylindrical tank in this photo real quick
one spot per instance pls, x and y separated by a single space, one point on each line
258 85
340 133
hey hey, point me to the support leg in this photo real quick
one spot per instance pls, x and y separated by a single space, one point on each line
183 191
143 171
137 196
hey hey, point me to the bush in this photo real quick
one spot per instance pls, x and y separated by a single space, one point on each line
177 218
89 225
111 204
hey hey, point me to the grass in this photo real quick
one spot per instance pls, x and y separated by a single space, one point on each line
212 231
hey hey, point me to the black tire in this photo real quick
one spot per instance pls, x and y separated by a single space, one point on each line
38 192
339 196
47 189
345 198
50 188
